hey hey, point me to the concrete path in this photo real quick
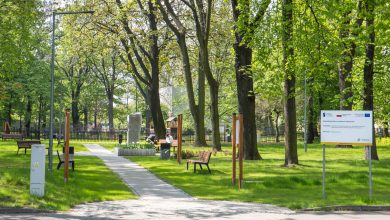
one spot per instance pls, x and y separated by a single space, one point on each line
159 200
141 181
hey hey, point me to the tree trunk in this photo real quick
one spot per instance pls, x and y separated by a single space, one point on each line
277 126
386 129
155 106
270 124
368 94
311 120
95 119
155 110
245 94
215 115
291 153
8 117
147 121
40 110
110 98
85 112
197 110
27 117
75 110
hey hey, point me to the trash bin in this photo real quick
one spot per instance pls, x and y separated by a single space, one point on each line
120 138
165 151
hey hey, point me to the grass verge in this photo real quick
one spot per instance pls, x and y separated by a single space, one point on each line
91 181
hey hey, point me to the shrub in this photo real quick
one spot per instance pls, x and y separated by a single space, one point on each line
136 146
186 154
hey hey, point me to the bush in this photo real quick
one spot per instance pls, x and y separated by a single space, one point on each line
186 154
135 146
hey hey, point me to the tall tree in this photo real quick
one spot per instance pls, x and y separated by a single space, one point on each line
197 109
147 55
291 151
108 73
244 28
368 93
348 31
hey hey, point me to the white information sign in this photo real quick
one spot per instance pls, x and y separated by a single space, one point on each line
346 127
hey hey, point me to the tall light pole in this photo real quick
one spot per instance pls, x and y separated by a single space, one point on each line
52 80
305 119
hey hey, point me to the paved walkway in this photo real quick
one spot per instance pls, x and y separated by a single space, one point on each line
143 183
159 200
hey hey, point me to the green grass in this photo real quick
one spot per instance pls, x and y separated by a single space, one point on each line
267 181
92 181
109 145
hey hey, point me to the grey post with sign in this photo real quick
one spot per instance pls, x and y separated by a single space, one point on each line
348 128
37 171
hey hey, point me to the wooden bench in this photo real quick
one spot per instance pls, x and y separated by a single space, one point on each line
26 144
61 158
12 136
204 158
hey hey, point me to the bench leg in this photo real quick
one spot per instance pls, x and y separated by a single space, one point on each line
187 165
201 166
73 166
208 167
194 167
59 165
25 150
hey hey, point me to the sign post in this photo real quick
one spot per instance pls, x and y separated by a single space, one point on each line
234 149
241 151
323 173
346 128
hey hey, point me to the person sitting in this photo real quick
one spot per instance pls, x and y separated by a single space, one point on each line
151 138
169 138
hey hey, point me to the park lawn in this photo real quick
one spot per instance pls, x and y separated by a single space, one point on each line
91 181
298 187
109 145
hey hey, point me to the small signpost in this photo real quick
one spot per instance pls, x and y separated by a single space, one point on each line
238 140
347 128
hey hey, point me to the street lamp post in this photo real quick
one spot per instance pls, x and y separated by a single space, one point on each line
305 119
52 80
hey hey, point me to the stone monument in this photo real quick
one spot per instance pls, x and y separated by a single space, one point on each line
134 122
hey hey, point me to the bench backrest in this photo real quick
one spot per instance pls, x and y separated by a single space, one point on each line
204 156
27 143
12 136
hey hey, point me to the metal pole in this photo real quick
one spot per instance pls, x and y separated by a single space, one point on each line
304 119
136 100
234 149
323 172
370 173
241 151
52 94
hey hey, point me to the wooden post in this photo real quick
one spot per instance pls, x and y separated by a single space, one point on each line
234 149
241 151
179 136
67 137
